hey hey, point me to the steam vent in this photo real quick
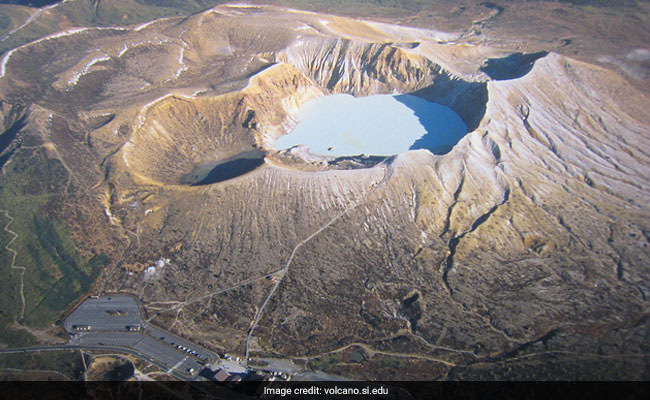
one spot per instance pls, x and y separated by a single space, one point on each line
357 197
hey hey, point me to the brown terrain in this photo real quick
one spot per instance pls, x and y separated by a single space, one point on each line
520 254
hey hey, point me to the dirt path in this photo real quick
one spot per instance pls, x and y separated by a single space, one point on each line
14 253
283 272
179 305
371 352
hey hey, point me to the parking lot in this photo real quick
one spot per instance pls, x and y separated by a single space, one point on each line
112 339
116 322
167 355
195 350
105 313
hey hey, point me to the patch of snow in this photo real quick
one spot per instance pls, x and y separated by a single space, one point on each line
142 115
412 34
182 67
155 42
213 11
241 5
305 27
124 49
146 24
180 36
3 64
57 35
126 146
61 34
75 78
143 112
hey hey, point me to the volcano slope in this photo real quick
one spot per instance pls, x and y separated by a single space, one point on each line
520 254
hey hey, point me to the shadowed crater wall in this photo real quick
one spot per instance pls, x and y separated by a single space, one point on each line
511 67
233 167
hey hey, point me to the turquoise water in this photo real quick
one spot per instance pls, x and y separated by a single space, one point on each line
383 125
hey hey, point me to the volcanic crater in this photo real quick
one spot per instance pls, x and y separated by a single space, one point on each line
523 245
180 134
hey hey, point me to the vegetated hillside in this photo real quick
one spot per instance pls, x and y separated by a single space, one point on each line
522 253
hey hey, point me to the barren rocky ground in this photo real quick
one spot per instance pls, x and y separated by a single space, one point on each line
520 254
